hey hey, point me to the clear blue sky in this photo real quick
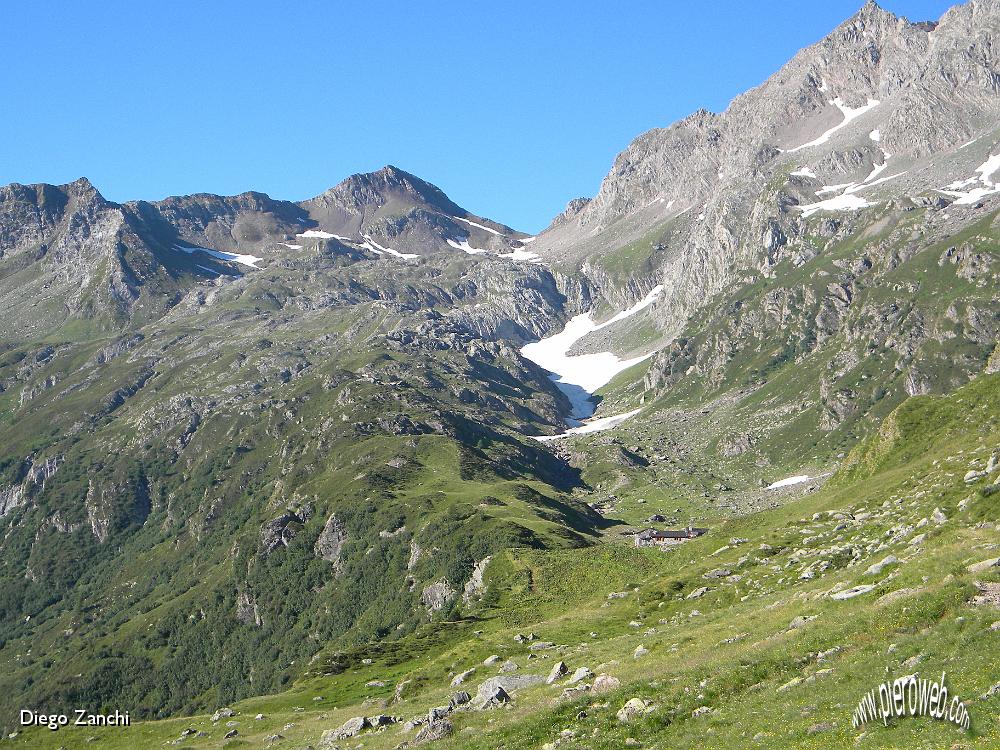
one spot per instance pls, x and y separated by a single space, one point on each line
511 108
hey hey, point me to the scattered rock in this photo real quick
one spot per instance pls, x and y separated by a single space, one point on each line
633 708
350 728
995 690
852 592
878 567
640 651
583 673
434 731
699 712
462 677
795 681
982 567
559 669
223 713
698 593
801 621
718 573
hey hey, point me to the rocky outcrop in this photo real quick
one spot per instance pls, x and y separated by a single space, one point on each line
474 586
330 543
436 595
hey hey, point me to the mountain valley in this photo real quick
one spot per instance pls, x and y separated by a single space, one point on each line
367 470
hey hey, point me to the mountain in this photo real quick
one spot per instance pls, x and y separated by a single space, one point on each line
826 246
713 195
302 460
97 264
276 439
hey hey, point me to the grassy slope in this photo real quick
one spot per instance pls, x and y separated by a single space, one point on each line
738 651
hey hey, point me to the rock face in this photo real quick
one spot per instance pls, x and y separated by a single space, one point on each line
436 595
474 586
715 165
331 541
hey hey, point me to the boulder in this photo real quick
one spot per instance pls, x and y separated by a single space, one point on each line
493 698
462 677
800 621
973 476
434 731
982 567
718 573
582 673
350 728
632 709
559 669
877 568
437 712
852 592
508 684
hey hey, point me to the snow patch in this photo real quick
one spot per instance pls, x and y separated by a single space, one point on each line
986 170
848 200
833 188
521 254
465 246
377 248
877 170
876 135
320 234
290 246
789 482
480 226
850 114
805 172
244 260
579 376
845 202
594 425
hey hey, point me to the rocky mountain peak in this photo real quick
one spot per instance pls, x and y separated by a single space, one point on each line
389 184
